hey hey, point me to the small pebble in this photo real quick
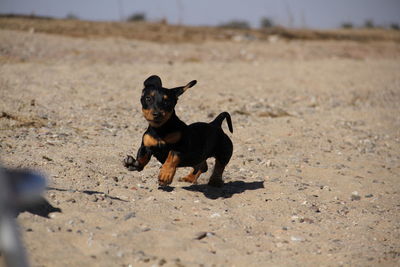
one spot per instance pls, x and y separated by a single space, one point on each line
202 235
94 198
306 220
355 196
296 238
129 215
47 158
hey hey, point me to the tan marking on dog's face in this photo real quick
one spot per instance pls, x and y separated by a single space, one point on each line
149 141
165 97
148 115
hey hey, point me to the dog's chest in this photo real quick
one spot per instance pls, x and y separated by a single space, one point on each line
169 139
161 146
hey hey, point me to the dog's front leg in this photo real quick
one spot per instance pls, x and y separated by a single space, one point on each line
168 169
142 158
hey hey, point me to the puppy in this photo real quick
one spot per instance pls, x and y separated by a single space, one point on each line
176 144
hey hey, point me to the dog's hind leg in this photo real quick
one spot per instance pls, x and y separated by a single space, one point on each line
195 173
222 156
216 176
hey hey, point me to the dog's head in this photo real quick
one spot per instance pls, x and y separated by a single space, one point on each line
158 103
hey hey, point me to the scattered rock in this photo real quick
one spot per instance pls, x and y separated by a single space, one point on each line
315 208
94 198
47 158
129 215
274 113
72 200
343 211
297 239
241 112
355 196
202 235
306 220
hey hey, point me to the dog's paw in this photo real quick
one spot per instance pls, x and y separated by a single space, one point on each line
166 175
134 167
129 161
216 182
190 178
131 164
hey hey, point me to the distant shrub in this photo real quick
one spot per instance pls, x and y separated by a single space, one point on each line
235 24
137 17
71 16
347 25
266 23
395 26
369 23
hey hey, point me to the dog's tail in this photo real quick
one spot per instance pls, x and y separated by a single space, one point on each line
220 118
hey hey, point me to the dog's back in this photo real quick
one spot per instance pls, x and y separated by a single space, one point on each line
209 140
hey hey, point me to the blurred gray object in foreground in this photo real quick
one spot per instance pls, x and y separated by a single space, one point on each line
17 189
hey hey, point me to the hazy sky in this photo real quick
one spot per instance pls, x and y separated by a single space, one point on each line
297 13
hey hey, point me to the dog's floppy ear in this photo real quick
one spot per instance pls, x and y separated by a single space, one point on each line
180 90
153 81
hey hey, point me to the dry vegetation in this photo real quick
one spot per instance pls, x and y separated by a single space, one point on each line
162 32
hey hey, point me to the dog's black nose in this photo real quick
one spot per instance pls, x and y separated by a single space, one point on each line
156 114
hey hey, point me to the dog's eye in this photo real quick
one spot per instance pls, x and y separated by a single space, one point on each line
148 99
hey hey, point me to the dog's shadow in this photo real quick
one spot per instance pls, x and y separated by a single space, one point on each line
226 191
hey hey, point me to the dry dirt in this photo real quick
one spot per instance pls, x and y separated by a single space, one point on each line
314 178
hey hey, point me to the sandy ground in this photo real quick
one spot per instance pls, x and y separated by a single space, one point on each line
314 178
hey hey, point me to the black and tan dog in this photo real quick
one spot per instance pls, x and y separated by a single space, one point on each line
176 144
